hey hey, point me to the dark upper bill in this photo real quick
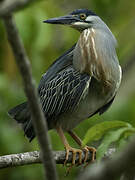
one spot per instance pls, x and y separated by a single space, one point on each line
68 19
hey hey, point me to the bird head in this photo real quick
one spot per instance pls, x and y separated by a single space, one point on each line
79 19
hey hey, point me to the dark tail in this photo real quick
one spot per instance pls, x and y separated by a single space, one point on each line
22 115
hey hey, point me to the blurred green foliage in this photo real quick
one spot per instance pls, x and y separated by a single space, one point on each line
44 43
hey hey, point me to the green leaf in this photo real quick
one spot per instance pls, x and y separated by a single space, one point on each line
111 137
97 131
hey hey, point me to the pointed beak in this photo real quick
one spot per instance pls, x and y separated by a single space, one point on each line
65 20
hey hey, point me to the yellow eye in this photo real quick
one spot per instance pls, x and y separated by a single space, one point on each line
83 16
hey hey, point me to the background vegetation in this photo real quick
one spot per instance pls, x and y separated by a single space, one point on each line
44 43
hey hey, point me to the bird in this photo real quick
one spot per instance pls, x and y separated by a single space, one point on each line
80 83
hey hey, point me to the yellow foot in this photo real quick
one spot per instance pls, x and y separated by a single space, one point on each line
79 151
74 152
91 149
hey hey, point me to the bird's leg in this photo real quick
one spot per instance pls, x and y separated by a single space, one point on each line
68 148
85 148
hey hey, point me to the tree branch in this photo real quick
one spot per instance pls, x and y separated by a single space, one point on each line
113 168
28 158
38 118
8 6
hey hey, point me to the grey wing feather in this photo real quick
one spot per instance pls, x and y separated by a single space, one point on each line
63 92
58 65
